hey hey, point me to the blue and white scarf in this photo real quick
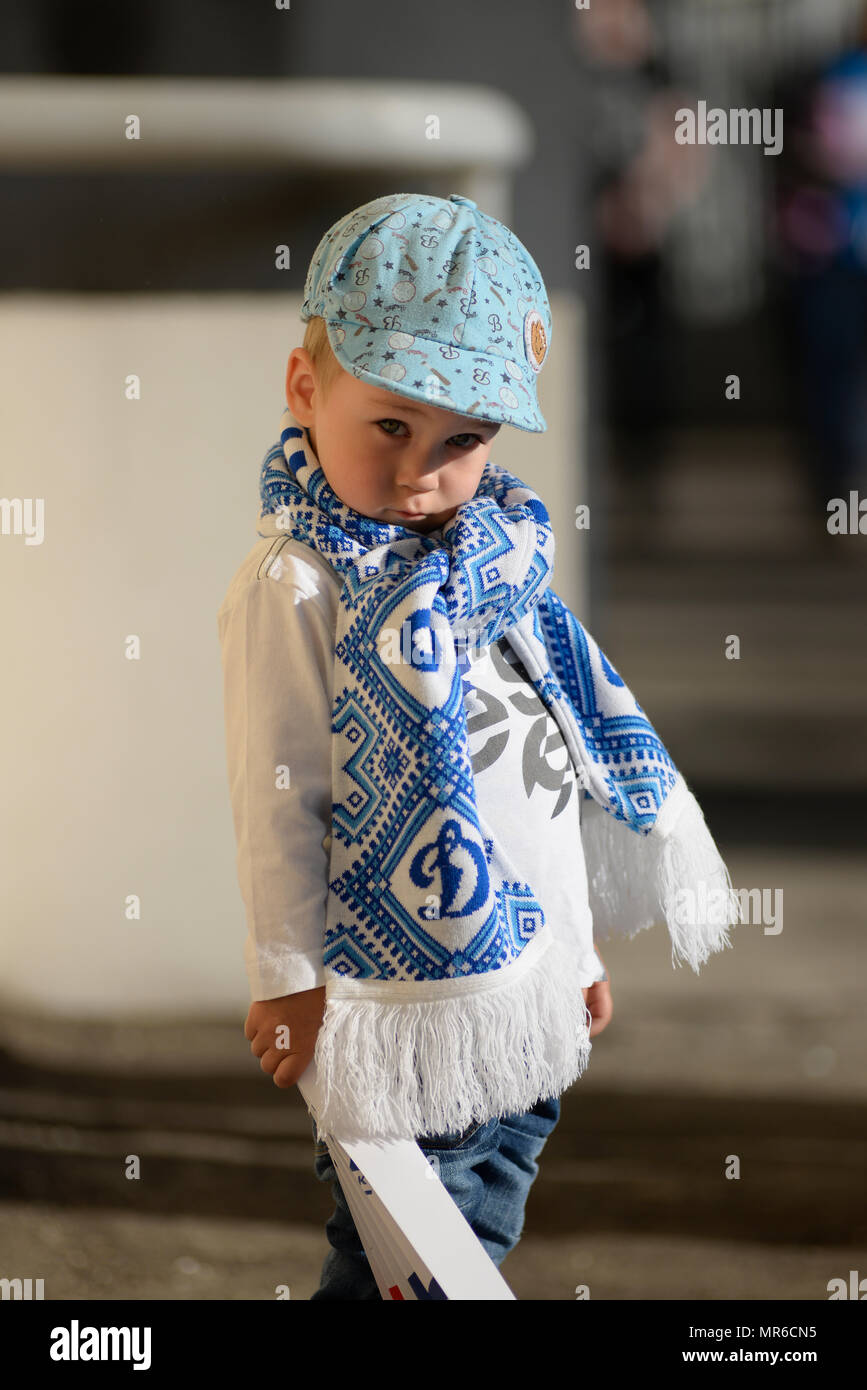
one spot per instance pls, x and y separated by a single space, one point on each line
448 998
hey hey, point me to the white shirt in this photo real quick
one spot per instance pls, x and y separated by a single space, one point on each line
277 627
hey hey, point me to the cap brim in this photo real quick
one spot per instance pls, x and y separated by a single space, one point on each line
483 386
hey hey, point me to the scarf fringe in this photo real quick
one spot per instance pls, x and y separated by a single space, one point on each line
407 1069
673 874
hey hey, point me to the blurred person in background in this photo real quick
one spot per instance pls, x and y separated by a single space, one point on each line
820 237
639 179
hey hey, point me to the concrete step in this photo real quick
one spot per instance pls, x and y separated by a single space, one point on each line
727 542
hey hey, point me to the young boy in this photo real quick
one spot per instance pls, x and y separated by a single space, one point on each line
423 743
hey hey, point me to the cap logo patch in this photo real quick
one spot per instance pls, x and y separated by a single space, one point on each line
535 339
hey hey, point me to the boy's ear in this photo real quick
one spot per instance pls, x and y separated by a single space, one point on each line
300 384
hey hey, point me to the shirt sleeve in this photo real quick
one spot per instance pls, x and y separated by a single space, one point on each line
278 657
601 972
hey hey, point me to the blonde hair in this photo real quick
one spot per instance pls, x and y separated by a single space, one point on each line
325 363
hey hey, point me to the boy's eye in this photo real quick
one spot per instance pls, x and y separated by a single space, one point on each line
383 424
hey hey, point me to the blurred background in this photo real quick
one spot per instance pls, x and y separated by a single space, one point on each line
706 397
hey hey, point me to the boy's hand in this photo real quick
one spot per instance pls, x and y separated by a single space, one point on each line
301 1014
597 997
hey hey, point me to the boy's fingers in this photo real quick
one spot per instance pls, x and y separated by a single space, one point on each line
287 1072
272 1058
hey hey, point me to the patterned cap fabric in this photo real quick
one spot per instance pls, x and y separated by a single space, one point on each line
435 300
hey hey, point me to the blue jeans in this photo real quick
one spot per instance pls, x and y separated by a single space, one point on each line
488 1169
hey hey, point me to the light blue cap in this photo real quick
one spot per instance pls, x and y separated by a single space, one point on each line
435 300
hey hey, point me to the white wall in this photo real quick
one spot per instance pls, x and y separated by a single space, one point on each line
114 779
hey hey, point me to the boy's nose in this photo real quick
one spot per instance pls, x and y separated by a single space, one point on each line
420 465
417 487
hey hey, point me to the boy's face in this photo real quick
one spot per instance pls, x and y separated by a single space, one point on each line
383 454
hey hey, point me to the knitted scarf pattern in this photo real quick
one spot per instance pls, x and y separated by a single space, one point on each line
448 996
